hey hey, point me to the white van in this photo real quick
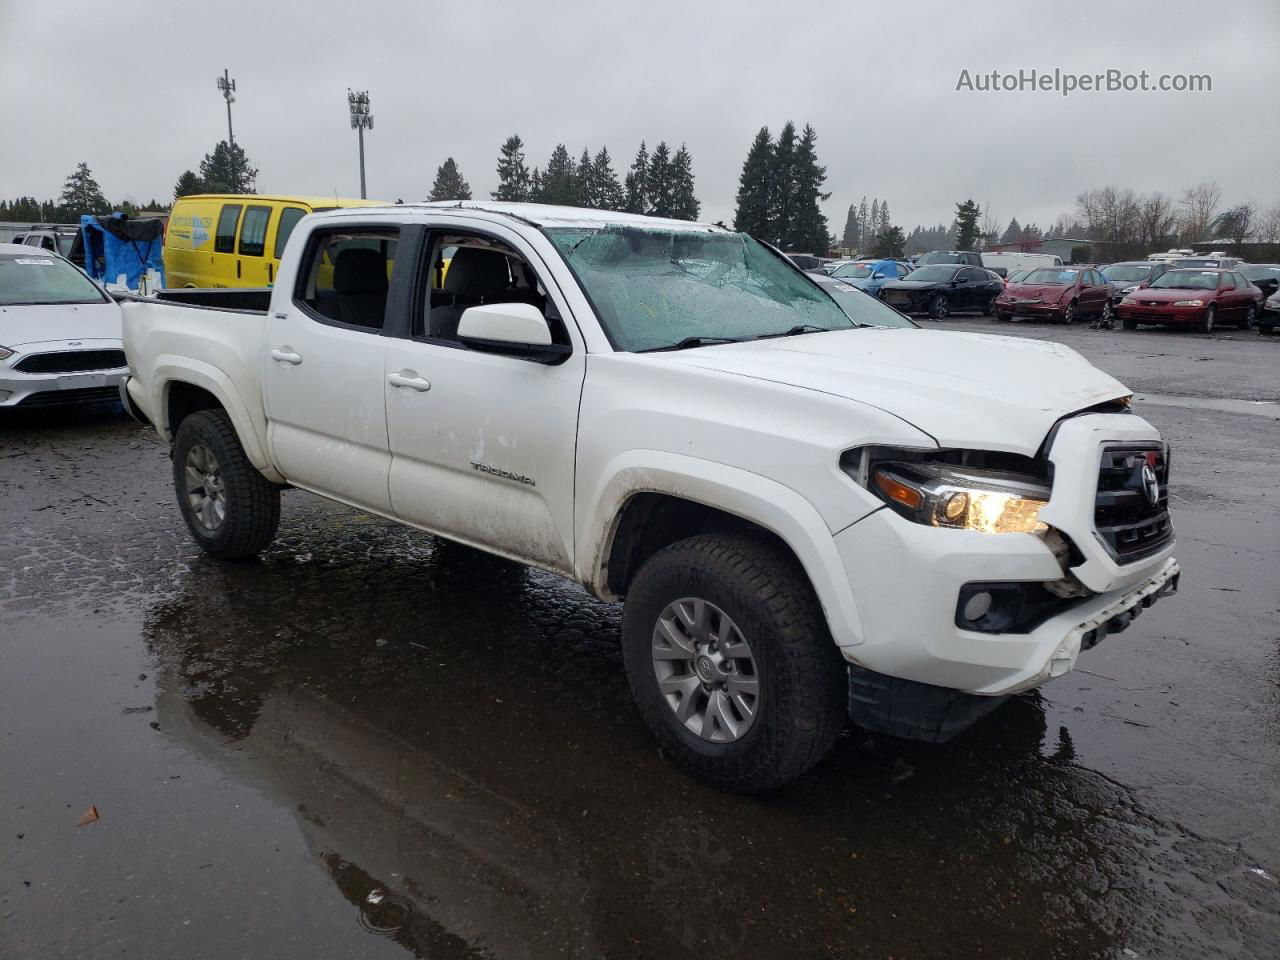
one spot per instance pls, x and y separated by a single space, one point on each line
1009 262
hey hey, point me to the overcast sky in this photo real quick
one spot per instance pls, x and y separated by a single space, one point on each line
129 87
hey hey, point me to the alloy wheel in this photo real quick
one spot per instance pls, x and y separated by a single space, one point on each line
705 670
204 488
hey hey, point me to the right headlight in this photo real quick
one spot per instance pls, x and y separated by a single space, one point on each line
962 498
6 353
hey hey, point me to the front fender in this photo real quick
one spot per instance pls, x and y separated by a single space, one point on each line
750 496
250 429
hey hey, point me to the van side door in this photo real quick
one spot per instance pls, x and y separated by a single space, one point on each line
251 249
222 264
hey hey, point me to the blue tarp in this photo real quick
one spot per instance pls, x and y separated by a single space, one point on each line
115 245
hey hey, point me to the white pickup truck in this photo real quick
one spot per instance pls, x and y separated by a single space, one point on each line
809 515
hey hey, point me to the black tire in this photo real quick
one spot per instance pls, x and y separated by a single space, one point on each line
1069 312
1266 329
1129 323
939 307
803 680
1250 318
990 308
1106 318
252 502
1210 318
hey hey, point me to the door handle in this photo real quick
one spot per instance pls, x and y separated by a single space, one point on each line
409 379
286 355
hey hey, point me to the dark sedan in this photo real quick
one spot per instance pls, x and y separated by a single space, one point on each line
940 290
1264 276
1126 277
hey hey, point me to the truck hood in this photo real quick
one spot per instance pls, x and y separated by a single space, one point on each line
44 323
968 390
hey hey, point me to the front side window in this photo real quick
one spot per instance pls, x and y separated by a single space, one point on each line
224 240
35 278
346 276
253 232
656 288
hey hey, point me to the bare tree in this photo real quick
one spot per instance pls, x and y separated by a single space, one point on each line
1110 214
990 229
1199 205
1268 230
1157 220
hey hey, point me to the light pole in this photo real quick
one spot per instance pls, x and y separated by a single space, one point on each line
361 119
227 87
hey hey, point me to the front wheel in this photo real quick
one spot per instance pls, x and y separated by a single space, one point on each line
1129 323
731 663
1210 318
939 307
230 508
1069 313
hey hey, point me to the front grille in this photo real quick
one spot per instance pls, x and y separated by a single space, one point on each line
57 398
1128 523
71 361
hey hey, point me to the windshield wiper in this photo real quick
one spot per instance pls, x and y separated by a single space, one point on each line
688 342
804 328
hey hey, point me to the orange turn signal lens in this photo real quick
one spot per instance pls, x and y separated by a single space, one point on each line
897 490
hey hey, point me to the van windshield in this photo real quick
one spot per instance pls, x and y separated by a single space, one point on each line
38 278
657 288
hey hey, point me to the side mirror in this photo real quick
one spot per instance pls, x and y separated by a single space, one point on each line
514 329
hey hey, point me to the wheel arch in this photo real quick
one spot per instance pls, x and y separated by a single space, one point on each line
642 508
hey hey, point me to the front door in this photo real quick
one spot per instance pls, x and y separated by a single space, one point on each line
251 250
483 445
325 369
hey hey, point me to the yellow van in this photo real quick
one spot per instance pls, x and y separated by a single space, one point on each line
235 240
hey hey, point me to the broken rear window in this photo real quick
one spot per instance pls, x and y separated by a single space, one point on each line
656 287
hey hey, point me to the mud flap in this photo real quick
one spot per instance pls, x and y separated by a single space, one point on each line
911 710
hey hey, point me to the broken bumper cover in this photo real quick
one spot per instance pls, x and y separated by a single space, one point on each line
908 619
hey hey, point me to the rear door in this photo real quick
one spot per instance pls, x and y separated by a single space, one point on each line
324 368
251 249
223 271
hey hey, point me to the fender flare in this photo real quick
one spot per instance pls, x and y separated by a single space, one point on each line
172 369
754 498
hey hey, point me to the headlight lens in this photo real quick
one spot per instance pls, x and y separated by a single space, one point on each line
6 353
1188 303
1128 300
942 495
1130 289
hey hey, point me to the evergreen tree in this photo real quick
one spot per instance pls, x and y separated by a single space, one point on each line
752 213
684 201
227 170
513 176
873 223
603 191
637 199
560 179
658 181
187 184
807 228
885 222
583 182
782 187
449 184
537 189
864 220
849 239
967 214
1012 233
80 195
890 244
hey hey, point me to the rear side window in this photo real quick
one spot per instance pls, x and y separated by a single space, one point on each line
224 240
253 231
289 218
346 274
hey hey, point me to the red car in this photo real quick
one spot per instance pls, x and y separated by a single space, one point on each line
1057 293
1203 298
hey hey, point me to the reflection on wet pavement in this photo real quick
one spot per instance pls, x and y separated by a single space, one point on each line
371 743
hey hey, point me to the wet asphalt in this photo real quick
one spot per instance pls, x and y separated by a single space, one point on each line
369 743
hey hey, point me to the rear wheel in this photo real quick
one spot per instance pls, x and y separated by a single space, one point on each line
939 307
990 308
1210 318
731 663
1106 319
230 508
1250 318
